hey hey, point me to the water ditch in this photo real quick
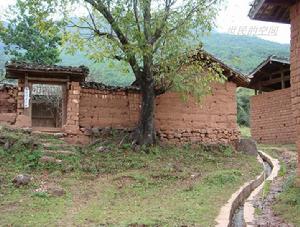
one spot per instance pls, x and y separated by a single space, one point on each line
238 219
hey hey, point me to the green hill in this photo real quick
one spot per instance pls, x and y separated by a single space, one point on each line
243 53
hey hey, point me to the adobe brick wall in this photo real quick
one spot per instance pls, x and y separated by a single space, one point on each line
211 121
73 98
271 117
177 121
295 72
8 104
22 120
103 108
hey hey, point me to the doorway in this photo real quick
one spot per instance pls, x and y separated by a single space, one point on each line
48 105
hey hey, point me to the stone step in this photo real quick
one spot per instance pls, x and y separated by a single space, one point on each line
55 146
55 134
56 152
49 159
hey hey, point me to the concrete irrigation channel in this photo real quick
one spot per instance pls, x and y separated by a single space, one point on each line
239 210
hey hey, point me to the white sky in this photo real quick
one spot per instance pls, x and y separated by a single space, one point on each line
232 19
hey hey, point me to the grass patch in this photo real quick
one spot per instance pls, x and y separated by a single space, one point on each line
288 203
266 188
167 186
245 131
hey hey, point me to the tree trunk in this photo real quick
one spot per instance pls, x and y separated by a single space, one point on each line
145 133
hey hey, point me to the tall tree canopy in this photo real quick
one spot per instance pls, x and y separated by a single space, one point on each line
154 38
30 34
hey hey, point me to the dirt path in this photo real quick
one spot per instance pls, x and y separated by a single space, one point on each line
264 203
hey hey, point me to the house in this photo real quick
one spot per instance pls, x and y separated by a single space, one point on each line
81 108
287 11
271 115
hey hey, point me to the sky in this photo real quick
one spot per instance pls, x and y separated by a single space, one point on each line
233 19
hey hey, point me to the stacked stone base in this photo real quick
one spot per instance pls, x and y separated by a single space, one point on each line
179 137
204 136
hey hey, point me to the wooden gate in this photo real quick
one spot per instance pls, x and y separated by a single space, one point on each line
48 105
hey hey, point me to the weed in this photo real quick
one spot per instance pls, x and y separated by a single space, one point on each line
258 211
223 177
245 131
33 158
227 150
266 188
288 203
283 170
43 195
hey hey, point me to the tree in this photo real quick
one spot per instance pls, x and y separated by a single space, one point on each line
31 35
155 39
243 106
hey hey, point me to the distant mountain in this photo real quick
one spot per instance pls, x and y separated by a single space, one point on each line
243 53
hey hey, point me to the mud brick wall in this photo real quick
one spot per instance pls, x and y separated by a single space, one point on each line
22 120
73 99
177 121
105 108
211 121
272 120
8 104
295 72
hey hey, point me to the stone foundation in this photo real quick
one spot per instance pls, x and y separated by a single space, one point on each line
205 136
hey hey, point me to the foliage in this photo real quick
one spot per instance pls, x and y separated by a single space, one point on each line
30 34
131 39
243 105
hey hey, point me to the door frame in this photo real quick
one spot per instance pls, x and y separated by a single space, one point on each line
43 81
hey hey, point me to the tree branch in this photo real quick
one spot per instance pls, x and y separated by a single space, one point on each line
159 30
99 5
188 16
136 15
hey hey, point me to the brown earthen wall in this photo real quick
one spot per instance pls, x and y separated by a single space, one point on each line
272 119
8 105
104 108
295 72
177 121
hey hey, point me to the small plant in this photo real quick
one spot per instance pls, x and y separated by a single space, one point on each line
224 177
33 158
266 188
227 150
126 146
283 170
258 211
43 195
